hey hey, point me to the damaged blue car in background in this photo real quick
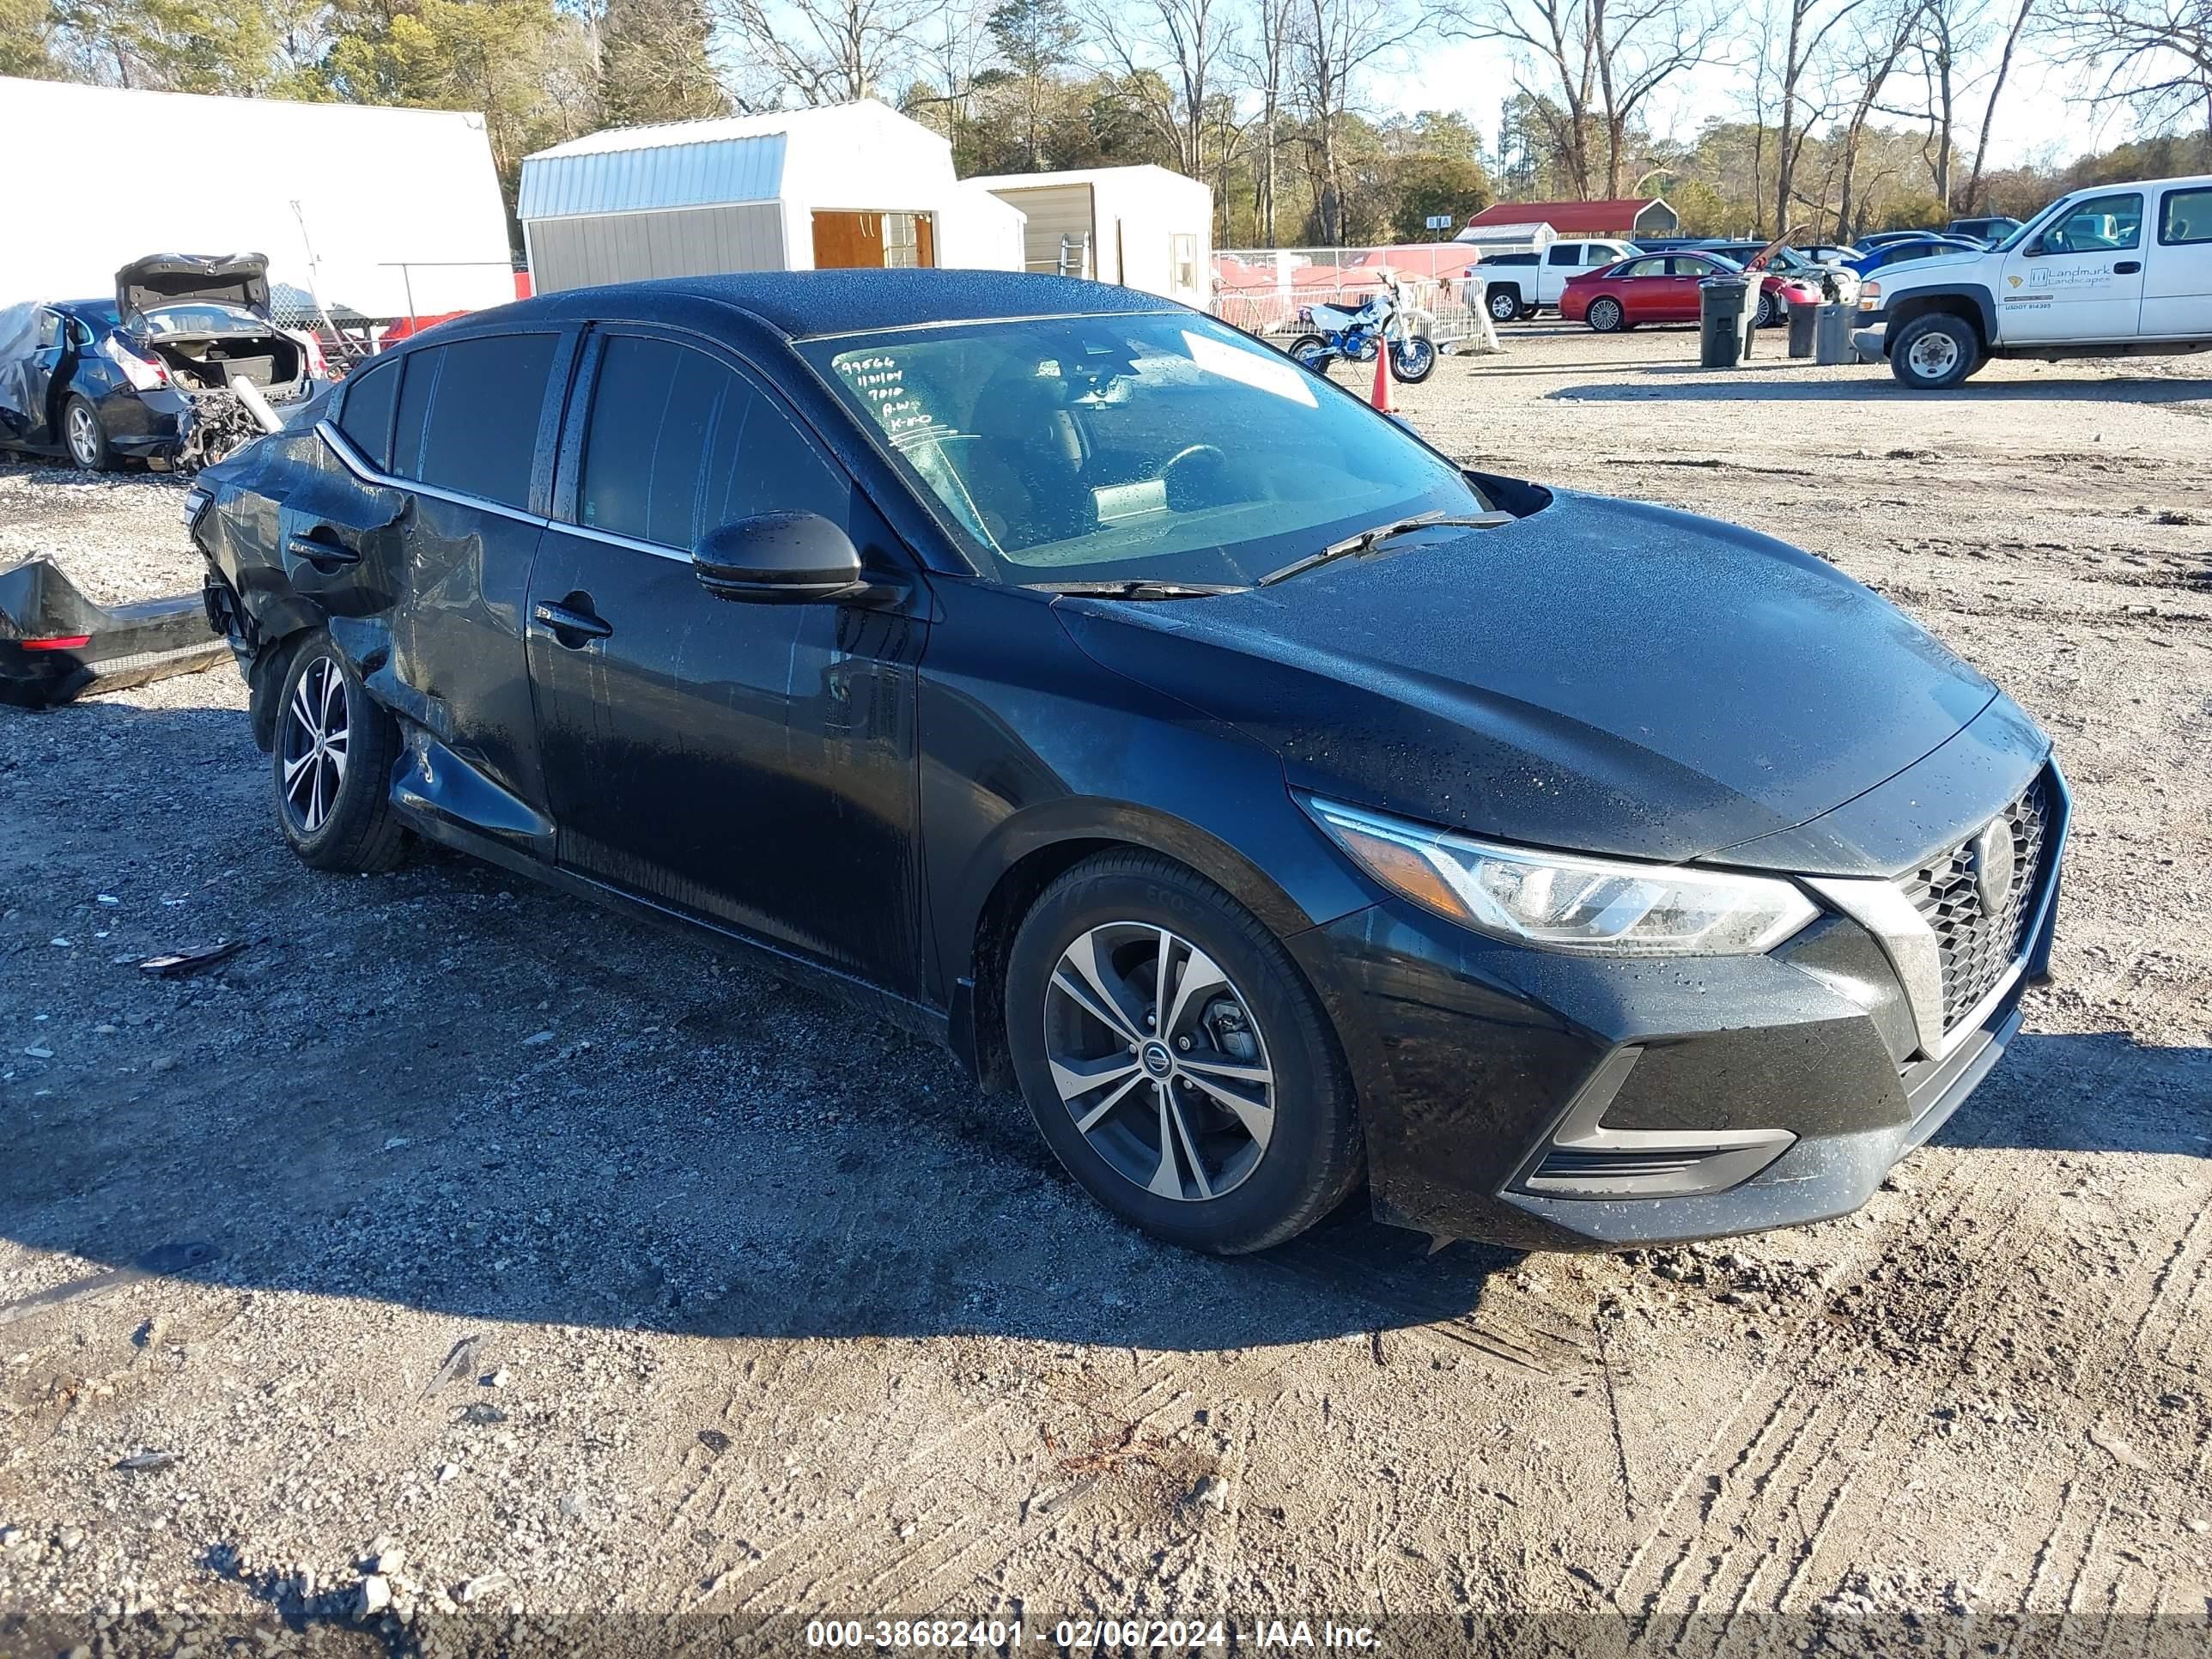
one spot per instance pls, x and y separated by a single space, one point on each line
148 373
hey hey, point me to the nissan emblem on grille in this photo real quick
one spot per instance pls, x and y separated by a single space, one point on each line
1977 900
1993 864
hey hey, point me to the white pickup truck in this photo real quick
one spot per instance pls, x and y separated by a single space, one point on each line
2112 270
1521 283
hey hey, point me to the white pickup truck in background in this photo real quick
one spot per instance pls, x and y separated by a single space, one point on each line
1519 283
2112 271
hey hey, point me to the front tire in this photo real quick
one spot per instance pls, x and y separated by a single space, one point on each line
1936 352
332 767
1765 314
1413 358
1605 315
85 434
1222 1121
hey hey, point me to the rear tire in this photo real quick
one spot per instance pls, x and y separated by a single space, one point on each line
1253 1103
1504 305
1311 351
1605 315
1936 352
85 434
331 765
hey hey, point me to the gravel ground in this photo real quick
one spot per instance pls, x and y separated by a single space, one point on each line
456 1245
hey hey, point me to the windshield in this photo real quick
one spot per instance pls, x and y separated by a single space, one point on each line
1160 448
2013 236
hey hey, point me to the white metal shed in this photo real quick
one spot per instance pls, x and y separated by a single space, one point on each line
851 185
358 204
1144 227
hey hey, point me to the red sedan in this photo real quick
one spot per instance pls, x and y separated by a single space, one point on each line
1662 288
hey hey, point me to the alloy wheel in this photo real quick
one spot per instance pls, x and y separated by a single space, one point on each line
83 437
1159 1061
315 734
1605 315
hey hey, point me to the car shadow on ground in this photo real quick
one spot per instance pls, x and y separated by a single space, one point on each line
1769 382
454 1090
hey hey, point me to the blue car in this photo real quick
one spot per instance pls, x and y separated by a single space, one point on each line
96 381
1911 248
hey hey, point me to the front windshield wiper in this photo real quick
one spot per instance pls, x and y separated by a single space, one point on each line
1137 589
1366 539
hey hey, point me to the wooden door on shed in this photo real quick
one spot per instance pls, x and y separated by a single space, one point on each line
873 241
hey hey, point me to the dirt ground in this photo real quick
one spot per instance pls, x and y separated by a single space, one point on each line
586 1278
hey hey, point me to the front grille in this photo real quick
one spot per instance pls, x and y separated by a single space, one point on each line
1978 944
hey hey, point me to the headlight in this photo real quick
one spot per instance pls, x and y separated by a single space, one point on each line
1869 296
1565 903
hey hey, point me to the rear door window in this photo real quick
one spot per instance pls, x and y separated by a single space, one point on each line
1568 255
365 417
481 438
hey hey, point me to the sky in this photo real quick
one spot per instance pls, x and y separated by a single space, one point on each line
2037 121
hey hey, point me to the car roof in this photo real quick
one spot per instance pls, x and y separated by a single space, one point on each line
799 303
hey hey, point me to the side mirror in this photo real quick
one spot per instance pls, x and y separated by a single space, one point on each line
779 558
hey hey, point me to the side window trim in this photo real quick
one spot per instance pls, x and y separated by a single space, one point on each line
366 470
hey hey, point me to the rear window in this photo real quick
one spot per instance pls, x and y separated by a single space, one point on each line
468 414
366 416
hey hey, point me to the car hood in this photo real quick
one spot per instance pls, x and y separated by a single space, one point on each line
1949 260
1599 675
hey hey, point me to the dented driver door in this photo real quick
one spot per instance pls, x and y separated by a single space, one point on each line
752 765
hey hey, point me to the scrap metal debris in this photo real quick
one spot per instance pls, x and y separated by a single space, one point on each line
190 959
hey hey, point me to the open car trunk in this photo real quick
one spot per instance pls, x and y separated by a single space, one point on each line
160 279
207 362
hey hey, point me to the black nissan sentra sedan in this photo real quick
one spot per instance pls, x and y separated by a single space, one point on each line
1270 801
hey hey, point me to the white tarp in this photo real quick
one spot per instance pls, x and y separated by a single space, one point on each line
129 173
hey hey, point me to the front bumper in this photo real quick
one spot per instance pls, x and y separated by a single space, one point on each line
1552 1101
1871 343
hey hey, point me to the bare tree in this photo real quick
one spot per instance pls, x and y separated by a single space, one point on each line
1172 55
1603 59
1990 110
1806 27
2154 56
1335 43
821 51
1882 39
1266 68
1557 34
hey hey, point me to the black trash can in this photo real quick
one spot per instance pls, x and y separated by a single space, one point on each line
1722 335
1804 328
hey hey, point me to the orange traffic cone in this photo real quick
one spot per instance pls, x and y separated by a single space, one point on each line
1381 398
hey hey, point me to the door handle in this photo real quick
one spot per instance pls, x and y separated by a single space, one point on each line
320 553
2127 267
573 628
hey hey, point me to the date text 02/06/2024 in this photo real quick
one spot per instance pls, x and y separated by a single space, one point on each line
1082 1635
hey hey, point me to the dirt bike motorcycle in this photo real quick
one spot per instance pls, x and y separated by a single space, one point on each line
1355 336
